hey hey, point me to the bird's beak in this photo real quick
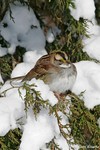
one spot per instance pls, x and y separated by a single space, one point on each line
68 61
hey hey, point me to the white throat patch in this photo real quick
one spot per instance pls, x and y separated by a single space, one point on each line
65 66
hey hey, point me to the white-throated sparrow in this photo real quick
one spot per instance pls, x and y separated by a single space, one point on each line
55 70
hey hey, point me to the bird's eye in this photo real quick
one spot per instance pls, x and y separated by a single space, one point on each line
61 56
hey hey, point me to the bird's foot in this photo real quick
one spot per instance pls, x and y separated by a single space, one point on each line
60 96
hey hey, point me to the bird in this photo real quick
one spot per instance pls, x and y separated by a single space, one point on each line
55 70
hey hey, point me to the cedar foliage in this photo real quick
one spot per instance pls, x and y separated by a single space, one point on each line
83 122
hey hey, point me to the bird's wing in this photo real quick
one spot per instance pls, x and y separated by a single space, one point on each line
38 72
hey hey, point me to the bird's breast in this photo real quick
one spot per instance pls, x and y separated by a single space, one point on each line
62 81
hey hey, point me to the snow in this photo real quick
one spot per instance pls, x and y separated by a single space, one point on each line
29 60
23 30
92 44
33 56
50 36
45 91
44 129
84 9
21 69
62 143
88 79
1 80
26 32
99 122
9 114
52 33
93 48
3 51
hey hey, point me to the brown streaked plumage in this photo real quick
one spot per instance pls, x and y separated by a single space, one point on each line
45 65
55 70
